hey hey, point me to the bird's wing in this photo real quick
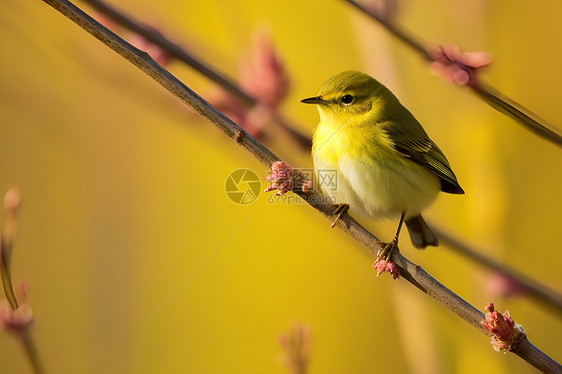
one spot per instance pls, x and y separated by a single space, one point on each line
414 144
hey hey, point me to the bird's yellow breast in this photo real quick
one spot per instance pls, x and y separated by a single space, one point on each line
375 179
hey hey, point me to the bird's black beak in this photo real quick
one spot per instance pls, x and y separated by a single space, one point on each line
314 100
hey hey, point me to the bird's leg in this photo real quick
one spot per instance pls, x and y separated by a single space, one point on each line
385 253
340 210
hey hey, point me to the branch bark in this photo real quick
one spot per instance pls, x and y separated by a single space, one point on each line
411 272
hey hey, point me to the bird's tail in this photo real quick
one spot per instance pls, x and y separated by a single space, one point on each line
420 233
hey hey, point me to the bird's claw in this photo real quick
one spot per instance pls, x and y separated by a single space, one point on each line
340 210
386 250
383 264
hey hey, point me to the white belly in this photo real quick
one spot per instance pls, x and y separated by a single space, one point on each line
377 190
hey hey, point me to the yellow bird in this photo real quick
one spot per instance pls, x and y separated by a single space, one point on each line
386 165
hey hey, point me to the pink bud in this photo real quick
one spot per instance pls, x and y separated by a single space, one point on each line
383 266
12 200
506 333
281 178
456 66
15 320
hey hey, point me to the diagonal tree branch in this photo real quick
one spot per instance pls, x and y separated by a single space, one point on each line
535 289
411 272
490 95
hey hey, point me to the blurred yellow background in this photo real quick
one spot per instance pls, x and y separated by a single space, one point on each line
124 201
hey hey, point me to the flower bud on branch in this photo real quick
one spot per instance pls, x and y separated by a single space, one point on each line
506 333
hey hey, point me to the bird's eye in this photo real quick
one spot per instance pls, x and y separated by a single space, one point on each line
347 99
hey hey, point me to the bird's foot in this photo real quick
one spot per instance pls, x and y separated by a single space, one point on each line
340 210
385 250
383 264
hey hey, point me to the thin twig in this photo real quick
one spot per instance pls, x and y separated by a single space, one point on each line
7 238
5 252
182 54
509 107
17 320
296 346
536 289
31 352
411 272
490 95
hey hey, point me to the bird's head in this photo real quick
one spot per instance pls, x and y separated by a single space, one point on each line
347 94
